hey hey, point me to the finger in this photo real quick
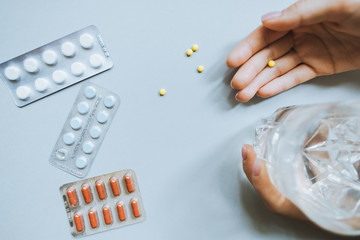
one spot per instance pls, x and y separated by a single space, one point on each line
306 12
257 40
296 76
256 63
283 65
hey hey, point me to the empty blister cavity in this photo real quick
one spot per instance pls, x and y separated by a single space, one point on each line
83 108
86 41
77 68
109 101
49 57
88 147
23 92
59 76
95 132
102 117
41 84
90 92
81 162
96 60
12 73
68 49
69 138
31 65
76 123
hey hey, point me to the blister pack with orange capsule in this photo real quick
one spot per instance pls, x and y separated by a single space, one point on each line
103 203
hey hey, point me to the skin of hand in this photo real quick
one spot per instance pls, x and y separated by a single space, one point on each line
255 171
308 39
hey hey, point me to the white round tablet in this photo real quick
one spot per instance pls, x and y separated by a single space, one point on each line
49 57
31 65
12 73
109 101
59 76
77 68
95 132
90 92
23 92
75 123
102 117
81 162
86 40
83 107
68 49
88 147
41 84
96 60
69 138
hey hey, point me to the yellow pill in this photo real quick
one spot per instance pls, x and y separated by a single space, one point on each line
162 92
271 63
200 68
189 52
195 47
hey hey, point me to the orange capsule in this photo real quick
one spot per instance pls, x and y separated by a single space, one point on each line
121 211
100 188
72 196
78 222
86 191
135 208
114 186
129 184
93 218
107 215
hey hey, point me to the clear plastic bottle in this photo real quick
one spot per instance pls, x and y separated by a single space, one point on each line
312 155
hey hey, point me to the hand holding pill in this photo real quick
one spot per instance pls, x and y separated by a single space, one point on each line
306 40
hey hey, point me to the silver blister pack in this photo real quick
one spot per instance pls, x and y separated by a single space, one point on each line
56 65
84 129
103 203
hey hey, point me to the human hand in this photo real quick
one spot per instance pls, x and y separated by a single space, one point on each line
310 38
255 171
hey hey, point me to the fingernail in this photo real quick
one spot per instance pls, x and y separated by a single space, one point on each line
231 85
270 15
256 167
243 153
236 97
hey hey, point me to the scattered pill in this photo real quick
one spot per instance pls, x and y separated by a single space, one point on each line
107 215
81 162
31 65
128 182
49 57
114 186
109 101
86 191
121 211
96 60
83 108
90 92
189 52
69 138
59 76
88 147
41 84
86 40
195 47
200 68
100 188
68 49
271 63
78 222
95 132
93 219
162 92
102 117
72 196
76 123
23 92
135 208
12 73
77 69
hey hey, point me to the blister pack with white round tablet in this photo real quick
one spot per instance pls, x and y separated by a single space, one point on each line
84 129
103 203
56 65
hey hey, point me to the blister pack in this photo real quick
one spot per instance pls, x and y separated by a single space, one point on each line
84 129
103 203
56 65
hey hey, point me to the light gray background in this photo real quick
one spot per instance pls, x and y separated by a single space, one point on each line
185 147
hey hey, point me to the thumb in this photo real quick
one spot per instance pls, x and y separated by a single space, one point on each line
306 12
